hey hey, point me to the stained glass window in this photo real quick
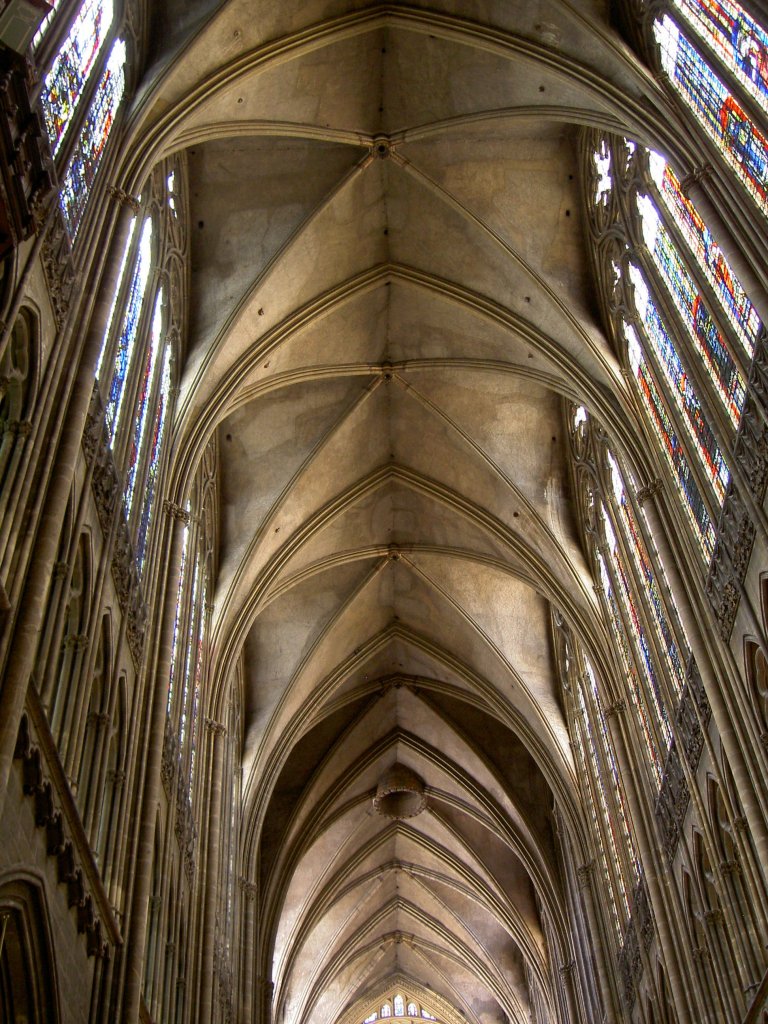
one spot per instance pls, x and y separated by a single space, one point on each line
693 310
65 82
739 310
81 172
399 1006
617 623
156 442
177 619
189 658
636 545
386 1010
593 743
413 1010
667 436
680 386
146 393
116 296
742 144
739 42
371 1018
129 328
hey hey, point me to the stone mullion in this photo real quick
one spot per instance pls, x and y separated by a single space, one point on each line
52 637
62 726
606 973
149 782
666 918
100 748
731 740
14 438
210 877
95 611
114 864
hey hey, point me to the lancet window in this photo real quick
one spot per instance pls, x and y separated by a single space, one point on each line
186 684
83 87
652 648
603 793
134 369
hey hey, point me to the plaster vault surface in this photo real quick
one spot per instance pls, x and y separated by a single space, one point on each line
390 309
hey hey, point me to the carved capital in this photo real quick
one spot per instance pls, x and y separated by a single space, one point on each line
248 889
695 176
124 198
741 824
584 874
214 727
567 969
652 488
60 570
701 954
729 867
176 511
713 917
616 708
76 641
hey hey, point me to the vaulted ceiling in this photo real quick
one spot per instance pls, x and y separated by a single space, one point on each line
390 306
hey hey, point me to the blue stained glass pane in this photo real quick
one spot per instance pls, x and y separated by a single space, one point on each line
690 303
115 297
156 442
64 83
736 38
81 172
681 387
708 254
670 445
127 340
147 391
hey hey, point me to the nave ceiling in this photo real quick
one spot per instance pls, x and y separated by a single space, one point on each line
390 306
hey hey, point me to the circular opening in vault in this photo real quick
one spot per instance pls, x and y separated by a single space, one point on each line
400 793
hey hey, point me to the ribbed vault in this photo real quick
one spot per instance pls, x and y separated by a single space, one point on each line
390 308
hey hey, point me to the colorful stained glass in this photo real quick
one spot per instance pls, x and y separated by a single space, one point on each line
130 325
739 310
115 297
739 42
155 447
147 392
413 1010
636 545
399 1006
81 172
693 310
65 82
665 432
743 145
681 387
